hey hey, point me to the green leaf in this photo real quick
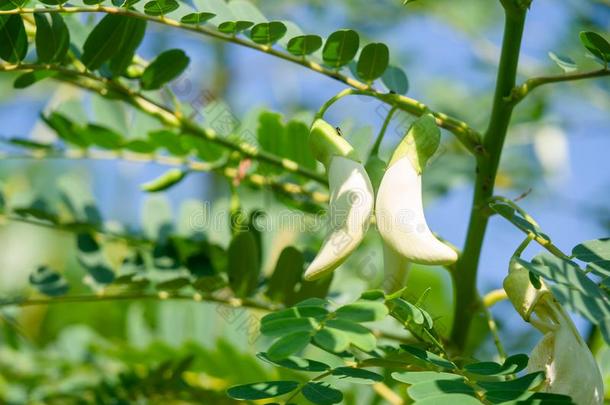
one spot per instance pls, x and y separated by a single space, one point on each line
168 179
140 146
103 137
564 62
428 357
450 399
288 345
115 38
321 394
197 18
49 282
66 130
434 388
268 33
30 78
296 363
52 38
340 48
416 377
305 311
13 38
332 340
168 140
356 334
512 365
596 44
284 326
395 79
165 68
99 272
593 250
243 264
373 61
26 143
234 27
521 384
261 390
357 375
363 311
173 284
160 7
287 273
304 45
12 4
53 2
86 243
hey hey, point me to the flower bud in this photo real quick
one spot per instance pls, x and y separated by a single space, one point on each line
351 199
399 208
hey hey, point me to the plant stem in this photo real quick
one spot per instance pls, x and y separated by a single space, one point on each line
386 122
529 85
467 300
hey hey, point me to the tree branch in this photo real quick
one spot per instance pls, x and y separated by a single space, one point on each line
466 135
254 179
521 91
112 89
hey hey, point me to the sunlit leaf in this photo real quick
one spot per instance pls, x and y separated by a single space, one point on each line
304 45
268 33
373 61
340 48
165 68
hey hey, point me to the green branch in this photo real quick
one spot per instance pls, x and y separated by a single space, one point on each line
467 300
466 135
521 91
253 179
112 89
161 295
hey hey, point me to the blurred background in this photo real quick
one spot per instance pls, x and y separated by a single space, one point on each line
556 154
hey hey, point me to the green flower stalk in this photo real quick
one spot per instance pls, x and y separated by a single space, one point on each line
562 354
351 198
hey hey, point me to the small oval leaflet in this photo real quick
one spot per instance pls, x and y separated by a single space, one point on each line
234 27
166 67
160 7
373 61
268 33
304 45
197 18
289 344
322 394
261 390
340 48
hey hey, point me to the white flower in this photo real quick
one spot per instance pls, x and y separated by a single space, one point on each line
562 354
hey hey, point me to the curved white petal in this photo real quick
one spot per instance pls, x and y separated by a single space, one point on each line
400 217
563 355
351 207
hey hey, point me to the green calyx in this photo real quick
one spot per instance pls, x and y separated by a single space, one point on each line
375 167
420 143
325 143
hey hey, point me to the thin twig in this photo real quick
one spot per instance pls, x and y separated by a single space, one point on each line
190 164
521 91
110 88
